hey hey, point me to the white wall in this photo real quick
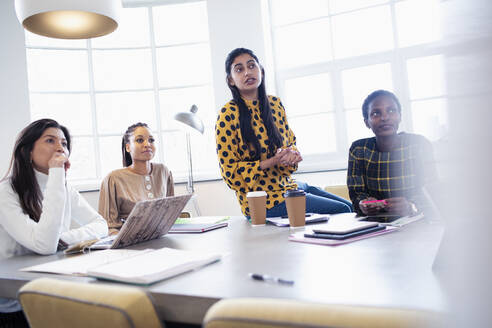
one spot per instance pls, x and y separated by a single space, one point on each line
14 96
233 24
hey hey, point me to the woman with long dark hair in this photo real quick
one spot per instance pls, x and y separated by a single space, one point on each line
138 180
36 204
255 145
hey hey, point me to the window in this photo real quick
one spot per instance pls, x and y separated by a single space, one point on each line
330 54
428 95
139 73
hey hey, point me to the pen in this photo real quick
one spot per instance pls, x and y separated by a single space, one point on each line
264 277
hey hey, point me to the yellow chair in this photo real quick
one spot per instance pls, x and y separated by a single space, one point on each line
59 303
276 313
339 190
185 215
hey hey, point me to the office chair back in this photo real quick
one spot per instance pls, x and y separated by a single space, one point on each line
277 313
339 190
58 303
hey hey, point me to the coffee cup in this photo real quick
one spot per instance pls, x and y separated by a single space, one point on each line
295 201
257 207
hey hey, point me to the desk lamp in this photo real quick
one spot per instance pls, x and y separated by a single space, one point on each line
191 120
69 19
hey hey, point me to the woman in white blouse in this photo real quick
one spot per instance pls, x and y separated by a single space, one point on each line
36 204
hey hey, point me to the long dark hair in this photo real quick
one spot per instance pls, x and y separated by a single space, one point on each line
23 179
127 158
247 132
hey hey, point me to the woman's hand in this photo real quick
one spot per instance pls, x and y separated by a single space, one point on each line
369 208
398 206
272 161
59 159
61 245
284 156
291 157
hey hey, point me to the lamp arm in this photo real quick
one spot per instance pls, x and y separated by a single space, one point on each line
190 165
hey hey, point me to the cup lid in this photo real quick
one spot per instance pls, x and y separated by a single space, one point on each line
256 194
294 193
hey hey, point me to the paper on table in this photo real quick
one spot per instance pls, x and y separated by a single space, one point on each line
153 266
202 220
284 222
79 265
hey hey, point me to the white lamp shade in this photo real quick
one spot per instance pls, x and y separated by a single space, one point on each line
69 19
191 119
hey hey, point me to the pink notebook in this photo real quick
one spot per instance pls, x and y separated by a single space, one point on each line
299 237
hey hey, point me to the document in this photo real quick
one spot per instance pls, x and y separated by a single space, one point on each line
80 264
310 218
153 266
199 224
131 266
202 220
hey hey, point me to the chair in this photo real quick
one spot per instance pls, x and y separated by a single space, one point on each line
339 190
185 215
59 303
277 313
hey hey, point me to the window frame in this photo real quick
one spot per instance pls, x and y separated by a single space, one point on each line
396 57
89 184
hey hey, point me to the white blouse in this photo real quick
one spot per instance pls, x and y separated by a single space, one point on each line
61 204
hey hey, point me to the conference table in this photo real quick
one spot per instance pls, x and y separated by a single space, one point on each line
391 270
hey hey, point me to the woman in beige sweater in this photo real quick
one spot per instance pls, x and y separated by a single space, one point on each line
138 180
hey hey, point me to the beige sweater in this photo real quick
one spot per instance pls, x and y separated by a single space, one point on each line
122 189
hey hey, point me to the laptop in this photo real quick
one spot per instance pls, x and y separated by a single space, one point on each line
149 219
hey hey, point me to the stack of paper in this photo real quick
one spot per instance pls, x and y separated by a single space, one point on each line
199 224
310 218
132 266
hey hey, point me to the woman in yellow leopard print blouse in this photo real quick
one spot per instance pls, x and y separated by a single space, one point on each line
255 145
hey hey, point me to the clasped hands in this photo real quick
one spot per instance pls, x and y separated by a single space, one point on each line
284 156
287 156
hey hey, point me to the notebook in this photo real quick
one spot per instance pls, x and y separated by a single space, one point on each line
344 226
199 224
281 221
149 219
153 266
299 237
341 236
128 265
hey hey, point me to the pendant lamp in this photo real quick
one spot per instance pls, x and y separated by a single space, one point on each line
69 19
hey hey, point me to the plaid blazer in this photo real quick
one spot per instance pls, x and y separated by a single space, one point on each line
401 172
